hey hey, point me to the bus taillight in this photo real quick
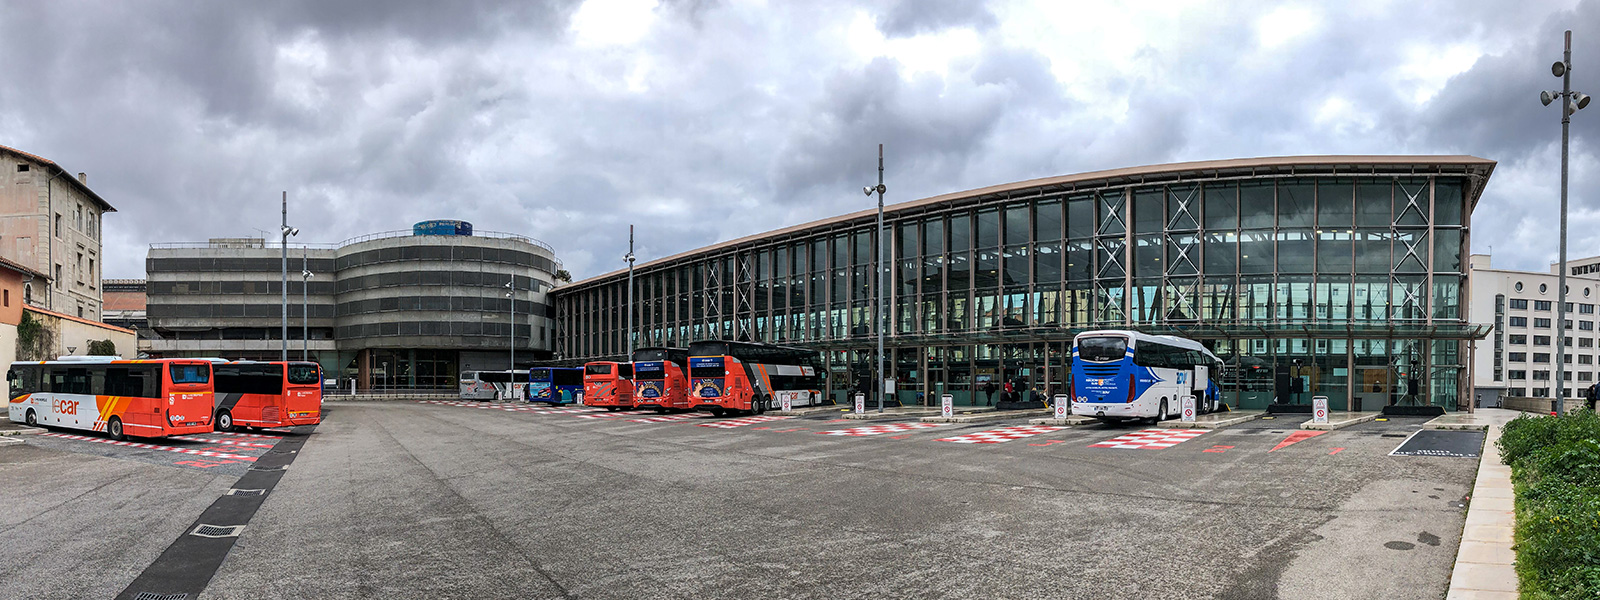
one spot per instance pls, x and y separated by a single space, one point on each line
1131 388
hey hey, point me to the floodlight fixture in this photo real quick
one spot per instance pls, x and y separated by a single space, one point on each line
1545 97
1559 68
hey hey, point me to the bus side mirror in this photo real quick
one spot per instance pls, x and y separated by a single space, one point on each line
11 375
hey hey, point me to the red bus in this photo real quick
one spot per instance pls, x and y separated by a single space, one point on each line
608 385
140 398
267 394
660 378
726 376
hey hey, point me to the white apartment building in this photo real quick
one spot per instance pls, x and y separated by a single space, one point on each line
1518 358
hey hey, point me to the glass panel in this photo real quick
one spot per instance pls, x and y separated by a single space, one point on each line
1447 201
1333 297
933 237
1411 202
988 271
1109 207
960 273
1080 260
1183 205
1080 216
1222 206
1017 224
1047 221
1183 254
1294 203
1255 204
1373 204
1218 300
1109 258
1333 251
988 228
1447 251
1222 253
1047 264
1294 251
908 240
960 232
1147 256
1372 251
1293 298
1149 212
1446 297
1334 207
1256 252
1016 265
1370 298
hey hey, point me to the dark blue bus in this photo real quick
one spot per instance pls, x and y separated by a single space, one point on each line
555 385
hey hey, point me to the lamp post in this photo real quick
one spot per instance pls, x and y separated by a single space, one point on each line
285 232
305 317
883 313
629 258
1571 102
511 292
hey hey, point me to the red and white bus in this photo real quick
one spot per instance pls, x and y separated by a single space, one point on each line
608 385
267 394
141 398
727 376
660 379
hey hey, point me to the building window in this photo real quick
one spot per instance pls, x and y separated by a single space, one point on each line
1543 288
1545 323
7 294
1540 357
1585 325
1519 303
1585 359
79 270
1541 340
1585 342
1585 376
1517 356
80 311
1521 339
1516 374
1541 376
1541 305
58 276
1519 321
1519 286
1586 309
22 167
58 224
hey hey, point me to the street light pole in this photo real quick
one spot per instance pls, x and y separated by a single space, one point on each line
511 292
629 258
305 317
1571 102
284 234
883 250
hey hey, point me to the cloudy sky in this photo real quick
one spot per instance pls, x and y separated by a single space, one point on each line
704 120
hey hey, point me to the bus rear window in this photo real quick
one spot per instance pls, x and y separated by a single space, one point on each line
649 372
707 370
303 374
597 369
1102 349
191 373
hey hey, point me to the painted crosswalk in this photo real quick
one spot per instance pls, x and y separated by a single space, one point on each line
742 421
612 415
143 446
1150 439
254 436
671 418
239 443
879 429
1003 434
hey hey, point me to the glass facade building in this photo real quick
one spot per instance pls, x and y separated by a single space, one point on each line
1341 276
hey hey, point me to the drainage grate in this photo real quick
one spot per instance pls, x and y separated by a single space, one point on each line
239 492
155 596
217 531
277 468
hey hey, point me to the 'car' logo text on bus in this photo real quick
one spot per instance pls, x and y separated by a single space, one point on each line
65 407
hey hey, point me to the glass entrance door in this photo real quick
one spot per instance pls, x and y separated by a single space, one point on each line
1375 386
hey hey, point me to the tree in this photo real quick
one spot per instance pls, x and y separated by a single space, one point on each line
563 276
102 348
34 339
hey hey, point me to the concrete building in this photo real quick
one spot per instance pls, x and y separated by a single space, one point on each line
399 309
50 223
14 278
1341 276
1517 359
124 303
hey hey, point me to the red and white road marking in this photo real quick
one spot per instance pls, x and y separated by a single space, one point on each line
241 444
1150 439
879 429
613 415
742 421
671 418
205 453
258 436
1003 434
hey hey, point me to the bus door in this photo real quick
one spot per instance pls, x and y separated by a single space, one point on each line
302 399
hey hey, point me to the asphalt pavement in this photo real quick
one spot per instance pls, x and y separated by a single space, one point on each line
476 500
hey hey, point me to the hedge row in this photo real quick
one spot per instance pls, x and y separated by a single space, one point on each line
1555 467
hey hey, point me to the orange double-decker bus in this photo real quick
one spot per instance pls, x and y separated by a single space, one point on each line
660 379
726 376
140 398
267 394
608 385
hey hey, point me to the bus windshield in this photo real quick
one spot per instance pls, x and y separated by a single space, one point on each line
597 369
303 374
1102 349
191 373
539 375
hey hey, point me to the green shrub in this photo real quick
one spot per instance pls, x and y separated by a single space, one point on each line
1556 467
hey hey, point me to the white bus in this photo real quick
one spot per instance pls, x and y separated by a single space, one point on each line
494 385
1120 375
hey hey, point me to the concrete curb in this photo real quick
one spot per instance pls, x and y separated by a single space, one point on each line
10 441
810 410
1340 421
1070 421
1214 420
873 415
988 415
1485 563
22 431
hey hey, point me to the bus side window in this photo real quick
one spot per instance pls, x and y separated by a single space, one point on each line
97 381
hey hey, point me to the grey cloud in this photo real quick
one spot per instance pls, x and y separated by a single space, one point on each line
902 18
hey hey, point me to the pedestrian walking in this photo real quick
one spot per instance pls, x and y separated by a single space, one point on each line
988 392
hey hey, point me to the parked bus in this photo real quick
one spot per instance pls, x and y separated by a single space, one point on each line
555 385
661 378
266 394
1122 375
140 398
727 376
493 385
608 385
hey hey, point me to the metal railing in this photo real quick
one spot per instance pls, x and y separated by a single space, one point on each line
476 233
260 243
251 245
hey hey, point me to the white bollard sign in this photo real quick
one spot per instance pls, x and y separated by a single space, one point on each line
861 403
947 406
1061 403
1188 408
1319 409
788 401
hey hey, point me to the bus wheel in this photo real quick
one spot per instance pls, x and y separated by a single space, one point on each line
759 405
32 419
224 421
1162 415
114 428
718 412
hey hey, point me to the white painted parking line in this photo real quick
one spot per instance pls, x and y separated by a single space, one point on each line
1003 434
239 443
205 453
742 421
1150 439
879 429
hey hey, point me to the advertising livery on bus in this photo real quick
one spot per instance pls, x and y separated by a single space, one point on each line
608 385
493 385
141 398
1122 375
726 376
661 378
555 385
267 394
